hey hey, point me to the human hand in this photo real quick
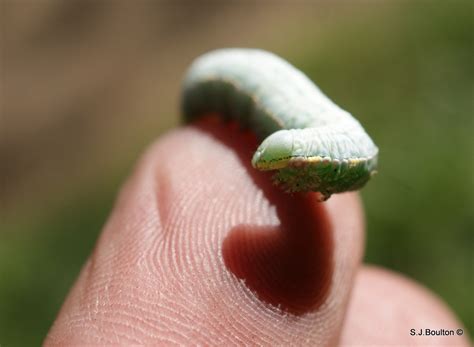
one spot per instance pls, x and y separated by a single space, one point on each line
201 249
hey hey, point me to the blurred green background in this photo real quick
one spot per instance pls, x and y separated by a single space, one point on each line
87 85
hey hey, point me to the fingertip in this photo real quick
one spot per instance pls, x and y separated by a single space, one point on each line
163 269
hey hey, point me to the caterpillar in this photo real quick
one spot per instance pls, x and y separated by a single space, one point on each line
313 144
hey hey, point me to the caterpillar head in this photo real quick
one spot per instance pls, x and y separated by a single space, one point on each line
274 152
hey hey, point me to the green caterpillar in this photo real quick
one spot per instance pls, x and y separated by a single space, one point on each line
314 144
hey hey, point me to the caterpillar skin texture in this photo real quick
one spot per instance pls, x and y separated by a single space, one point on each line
314 144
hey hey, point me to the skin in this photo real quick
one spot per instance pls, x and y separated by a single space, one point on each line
202 249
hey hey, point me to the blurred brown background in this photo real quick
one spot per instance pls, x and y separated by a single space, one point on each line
87 85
